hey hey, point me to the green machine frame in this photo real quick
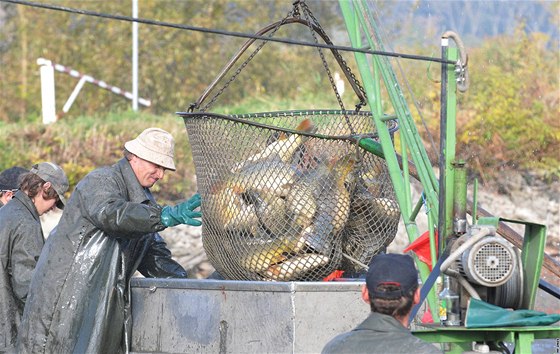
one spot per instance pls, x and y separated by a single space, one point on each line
357 17
439 197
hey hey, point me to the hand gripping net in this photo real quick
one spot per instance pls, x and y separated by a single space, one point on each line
289 196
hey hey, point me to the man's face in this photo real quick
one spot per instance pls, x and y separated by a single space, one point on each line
146 172
44 205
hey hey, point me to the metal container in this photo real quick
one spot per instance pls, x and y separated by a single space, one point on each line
219 316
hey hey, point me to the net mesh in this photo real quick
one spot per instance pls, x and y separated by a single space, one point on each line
286 198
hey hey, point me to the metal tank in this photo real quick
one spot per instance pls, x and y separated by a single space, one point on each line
222 316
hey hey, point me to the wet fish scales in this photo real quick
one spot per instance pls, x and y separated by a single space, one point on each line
282 149
296 266
331 201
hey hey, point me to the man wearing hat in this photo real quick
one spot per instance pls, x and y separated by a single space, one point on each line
21 241
9 183
391 289
79 298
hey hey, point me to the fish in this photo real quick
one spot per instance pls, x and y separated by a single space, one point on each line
282 149
386 208
251 195
372 225
320 203
295 267
269 177
262 253
228 207
272 215
301 203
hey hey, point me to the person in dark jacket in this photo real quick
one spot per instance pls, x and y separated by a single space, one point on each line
9 183
21 241
79 299
391 289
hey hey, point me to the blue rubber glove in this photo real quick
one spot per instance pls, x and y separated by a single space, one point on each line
183 213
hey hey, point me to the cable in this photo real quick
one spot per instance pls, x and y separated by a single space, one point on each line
223 32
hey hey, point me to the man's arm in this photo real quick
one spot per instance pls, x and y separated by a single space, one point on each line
109 210
157 262
25 253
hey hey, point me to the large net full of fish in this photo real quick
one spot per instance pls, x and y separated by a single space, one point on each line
281 202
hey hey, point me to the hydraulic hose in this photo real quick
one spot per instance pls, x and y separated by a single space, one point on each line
463 73
466 245
468 287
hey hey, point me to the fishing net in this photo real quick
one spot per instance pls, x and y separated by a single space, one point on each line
288 196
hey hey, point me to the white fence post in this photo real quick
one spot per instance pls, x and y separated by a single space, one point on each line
47 91
135 56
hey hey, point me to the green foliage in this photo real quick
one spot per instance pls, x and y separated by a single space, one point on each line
513 106
175 66
508 118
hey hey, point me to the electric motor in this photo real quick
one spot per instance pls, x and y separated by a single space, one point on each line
490 262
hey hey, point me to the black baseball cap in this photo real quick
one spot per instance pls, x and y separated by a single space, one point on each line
393 269
9 179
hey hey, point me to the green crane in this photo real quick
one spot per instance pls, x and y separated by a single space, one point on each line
374 72
444 198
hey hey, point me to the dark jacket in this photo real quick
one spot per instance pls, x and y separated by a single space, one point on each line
379 334
21 241
79 296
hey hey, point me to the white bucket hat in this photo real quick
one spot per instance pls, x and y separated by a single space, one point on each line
154 145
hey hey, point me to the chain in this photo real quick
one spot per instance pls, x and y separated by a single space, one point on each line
344 65
308 15
292 13
295 13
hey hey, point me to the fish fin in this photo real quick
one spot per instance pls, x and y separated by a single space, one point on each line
306 125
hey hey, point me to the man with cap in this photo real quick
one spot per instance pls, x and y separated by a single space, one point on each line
391 289
21 241
9 183
79 298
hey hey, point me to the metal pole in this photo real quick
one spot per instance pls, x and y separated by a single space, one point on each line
73 95
460 198
135 56
442 153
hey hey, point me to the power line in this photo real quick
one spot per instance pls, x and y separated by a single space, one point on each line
224 32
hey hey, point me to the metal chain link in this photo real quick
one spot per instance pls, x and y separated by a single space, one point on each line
344 65
295 13
308 15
